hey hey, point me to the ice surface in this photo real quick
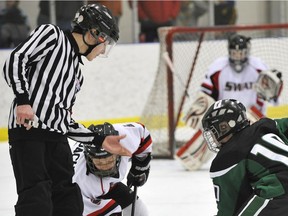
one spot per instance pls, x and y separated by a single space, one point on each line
169 191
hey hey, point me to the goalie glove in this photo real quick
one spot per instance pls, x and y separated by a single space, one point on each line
269 85
139 171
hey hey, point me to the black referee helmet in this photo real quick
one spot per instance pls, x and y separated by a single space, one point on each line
96 16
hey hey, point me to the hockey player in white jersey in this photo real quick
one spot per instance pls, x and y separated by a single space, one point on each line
99 174
231 77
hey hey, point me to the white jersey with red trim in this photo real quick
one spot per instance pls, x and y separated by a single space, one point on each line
223 82
138 141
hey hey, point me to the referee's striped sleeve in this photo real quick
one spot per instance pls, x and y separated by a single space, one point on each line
80 133
44 72
37 45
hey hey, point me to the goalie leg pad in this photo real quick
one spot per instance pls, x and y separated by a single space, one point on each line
194 153
253 114
197 110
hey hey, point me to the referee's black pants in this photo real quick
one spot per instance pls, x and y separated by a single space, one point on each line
43 171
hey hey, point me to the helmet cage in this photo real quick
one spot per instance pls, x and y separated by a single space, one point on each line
94 151
238 59
212 143
220 122
239 50
103 157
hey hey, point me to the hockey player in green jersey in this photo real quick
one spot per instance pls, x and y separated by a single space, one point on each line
250 170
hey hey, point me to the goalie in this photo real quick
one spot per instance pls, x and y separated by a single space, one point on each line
99 173
238 76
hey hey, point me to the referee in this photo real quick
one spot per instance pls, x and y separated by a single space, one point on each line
44 73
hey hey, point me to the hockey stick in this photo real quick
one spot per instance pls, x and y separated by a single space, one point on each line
170 64
134 201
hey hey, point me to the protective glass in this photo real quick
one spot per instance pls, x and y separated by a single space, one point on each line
103 38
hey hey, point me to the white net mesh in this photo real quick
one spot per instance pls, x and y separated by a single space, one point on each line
269 43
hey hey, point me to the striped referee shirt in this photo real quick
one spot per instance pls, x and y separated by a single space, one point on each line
44 72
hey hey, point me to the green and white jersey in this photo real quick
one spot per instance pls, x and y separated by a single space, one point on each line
282 125
251 170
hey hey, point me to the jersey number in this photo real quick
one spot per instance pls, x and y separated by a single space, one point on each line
276 141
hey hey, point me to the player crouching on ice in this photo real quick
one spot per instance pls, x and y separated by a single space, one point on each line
250 170
194 153
99 173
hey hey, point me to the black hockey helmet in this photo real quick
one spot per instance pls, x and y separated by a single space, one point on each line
96 16
223 118
99 21
100 162
239 48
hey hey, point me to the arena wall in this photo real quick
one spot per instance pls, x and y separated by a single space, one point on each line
115 88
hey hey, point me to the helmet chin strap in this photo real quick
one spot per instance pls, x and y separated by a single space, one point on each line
90 47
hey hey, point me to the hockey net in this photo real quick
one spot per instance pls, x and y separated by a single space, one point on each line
185 54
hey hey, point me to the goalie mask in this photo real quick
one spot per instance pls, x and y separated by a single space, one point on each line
100 162
239 48
99 21
222 120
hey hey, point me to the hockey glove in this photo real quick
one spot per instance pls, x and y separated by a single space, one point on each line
269 85
139 171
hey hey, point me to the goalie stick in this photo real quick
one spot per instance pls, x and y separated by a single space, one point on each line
169 63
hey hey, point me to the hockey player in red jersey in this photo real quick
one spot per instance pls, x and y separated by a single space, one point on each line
238 76
99 174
